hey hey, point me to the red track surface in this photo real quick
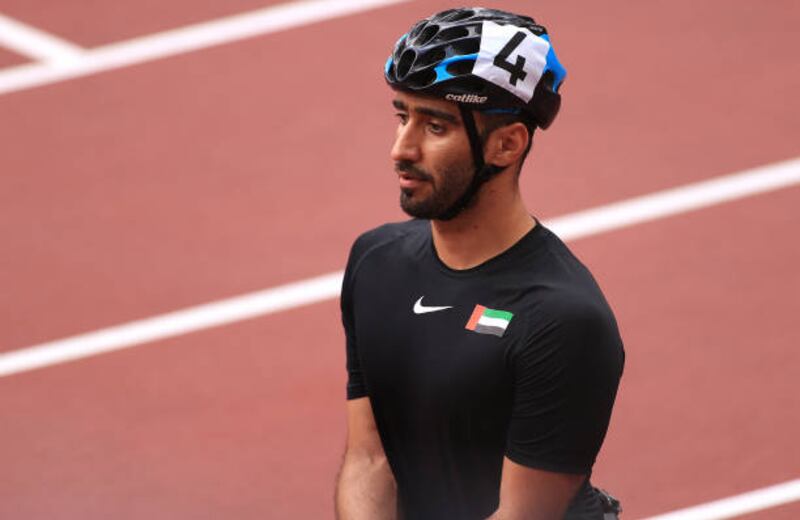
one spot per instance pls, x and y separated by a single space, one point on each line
143 190
8 58
92 23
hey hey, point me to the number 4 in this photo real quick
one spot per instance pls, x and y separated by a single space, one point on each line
516 69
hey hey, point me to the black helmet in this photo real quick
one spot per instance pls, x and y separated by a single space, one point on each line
484 59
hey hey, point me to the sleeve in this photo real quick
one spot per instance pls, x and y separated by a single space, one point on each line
565 381
356 386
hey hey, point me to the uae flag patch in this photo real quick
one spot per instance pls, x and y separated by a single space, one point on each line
489 321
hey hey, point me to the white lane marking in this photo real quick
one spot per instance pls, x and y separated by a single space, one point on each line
569 227
738 505
186 39
176 323
677 200
35 43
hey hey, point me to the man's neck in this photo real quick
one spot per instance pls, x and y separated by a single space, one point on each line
482 231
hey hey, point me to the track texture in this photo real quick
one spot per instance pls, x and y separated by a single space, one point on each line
139 191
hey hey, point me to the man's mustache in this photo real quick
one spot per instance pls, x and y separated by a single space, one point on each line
412 171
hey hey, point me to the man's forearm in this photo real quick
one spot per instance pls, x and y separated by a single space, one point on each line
365 490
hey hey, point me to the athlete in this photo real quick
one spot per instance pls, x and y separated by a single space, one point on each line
483 360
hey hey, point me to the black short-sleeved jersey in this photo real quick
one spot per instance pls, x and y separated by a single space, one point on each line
519 356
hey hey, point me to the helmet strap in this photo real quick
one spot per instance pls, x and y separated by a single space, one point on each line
475 142
482 173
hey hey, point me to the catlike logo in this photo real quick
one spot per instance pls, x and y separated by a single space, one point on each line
424 309
466 98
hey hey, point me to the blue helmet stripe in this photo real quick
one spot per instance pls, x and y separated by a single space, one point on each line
501 111
553 65
441 68
389 61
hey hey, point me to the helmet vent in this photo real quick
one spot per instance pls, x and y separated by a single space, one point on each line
457 15
421 79
426 35
416 29
452 33
467 46
431 57
405 63
547 80
459 68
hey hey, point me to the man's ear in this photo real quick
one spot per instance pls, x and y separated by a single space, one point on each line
507 144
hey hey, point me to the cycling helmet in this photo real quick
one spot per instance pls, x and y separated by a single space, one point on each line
481 59
487 59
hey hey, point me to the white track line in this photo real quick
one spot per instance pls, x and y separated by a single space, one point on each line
582 224
738 505
64 60
183 40
678 200
34 43
173 324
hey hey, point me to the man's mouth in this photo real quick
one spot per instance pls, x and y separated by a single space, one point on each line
409 180
409 177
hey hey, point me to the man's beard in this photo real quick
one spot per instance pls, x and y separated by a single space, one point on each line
452 183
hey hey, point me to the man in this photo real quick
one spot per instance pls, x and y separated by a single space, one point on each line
483 360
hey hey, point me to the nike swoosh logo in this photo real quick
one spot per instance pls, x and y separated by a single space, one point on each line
423 309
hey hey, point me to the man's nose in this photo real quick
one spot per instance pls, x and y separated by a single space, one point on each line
406 147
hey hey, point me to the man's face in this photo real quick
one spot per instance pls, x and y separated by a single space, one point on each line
431 154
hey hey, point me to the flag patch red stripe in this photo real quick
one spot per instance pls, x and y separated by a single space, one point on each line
476 315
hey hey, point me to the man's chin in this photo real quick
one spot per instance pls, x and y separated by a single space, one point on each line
416 208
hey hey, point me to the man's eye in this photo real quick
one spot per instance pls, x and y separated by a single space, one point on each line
402 117
436 128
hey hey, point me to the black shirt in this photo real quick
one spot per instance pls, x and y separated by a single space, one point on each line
522 358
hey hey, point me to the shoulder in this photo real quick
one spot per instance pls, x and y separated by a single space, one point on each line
387 235
569 292
572 307
571 339
574 333
565 308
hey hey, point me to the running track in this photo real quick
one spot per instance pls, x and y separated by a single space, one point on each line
160 185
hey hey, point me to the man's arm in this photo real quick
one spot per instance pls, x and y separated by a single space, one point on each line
566 379
533 494
366 488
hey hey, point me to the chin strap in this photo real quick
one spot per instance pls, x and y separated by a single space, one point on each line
475 142
483 172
